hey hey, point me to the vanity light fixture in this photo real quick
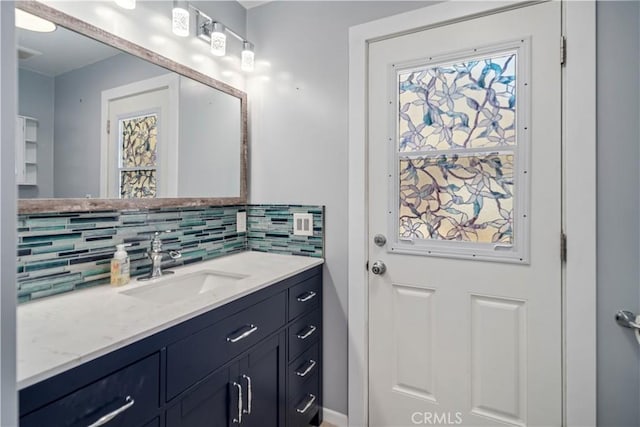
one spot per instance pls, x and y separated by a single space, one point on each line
180 18
126 4
30 22
247 56
215 33
218 39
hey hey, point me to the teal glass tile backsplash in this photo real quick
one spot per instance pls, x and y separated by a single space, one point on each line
62 252
270 229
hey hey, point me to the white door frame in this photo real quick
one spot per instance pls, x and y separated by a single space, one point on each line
170 81
579 206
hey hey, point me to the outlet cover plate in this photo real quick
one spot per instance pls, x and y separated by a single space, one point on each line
302 224
241 222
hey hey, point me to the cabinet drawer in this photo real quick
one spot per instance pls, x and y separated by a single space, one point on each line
304 297
192 358
302 370
134 391
304 333
304 406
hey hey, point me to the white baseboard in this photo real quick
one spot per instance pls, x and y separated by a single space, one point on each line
335 418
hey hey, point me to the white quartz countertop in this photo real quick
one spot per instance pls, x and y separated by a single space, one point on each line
61 332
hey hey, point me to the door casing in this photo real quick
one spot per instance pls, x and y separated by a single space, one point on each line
579 208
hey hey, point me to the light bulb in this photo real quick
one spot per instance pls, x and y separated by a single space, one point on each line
30 22
247 57
126 4
218 40
180 18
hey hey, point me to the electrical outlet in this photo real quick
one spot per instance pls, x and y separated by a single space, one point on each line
241 222
302 224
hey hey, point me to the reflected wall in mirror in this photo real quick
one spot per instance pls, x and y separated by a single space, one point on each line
97 122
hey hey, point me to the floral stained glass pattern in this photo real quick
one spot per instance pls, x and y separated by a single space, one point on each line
459 197
138 156
468 104
139 141
138 184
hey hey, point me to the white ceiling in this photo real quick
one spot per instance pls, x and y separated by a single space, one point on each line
61 51
248 4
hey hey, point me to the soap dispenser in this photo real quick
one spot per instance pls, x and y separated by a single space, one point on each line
120 266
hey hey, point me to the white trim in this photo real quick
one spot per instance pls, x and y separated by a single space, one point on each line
579 205
579 127
335 418
170 81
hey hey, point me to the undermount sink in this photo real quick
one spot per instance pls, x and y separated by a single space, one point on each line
175 288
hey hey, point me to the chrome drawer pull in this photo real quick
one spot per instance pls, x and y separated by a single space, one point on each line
310 366
105 419
249 396
239 419
307 405
243 335
310 330
307 296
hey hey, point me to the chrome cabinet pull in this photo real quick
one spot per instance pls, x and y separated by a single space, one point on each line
239 419
312 398
111 415
305 371
310 330
306 296
242 335
249 394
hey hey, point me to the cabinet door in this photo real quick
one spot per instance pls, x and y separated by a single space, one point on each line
262 376
205 405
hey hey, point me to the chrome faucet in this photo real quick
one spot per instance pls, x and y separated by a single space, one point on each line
156 255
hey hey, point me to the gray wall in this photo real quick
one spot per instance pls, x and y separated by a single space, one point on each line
8 111
299 136
77 120
618 112
35 99
210 131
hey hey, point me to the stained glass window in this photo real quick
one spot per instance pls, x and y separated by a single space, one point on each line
457 197
457 149
462 105
138 184
138 156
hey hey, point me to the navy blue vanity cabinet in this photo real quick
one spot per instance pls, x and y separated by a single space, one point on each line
130 397
304 339
205 404
253 362
248 392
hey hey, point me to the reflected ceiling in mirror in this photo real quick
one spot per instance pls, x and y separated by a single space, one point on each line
106 124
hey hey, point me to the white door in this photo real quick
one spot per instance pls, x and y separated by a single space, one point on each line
140 151
465 184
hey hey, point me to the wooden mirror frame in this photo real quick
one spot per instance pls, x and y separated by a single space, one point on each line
26 206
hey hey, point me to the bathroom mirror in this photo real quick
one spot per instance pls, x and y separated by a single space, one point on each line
106 124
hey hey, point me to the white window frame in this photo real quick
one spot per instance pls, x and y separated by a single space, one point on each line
518 252
579 208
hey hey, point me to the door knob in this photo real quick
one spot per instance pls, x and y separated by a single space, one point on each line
378 268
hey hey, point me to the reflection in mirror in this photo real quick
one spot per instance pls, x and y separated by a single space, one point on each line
96 122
